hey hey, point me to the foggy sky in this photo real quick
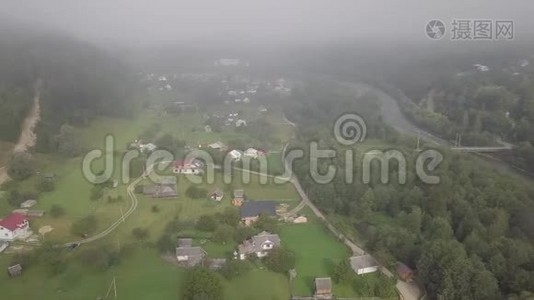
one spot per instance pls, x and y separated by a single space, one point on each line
142 22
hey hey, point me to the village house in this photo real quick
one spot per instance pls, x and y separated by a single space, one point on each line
258 245
217 195
323 288
251 152
147 148
14 226
189 255
235 155
363 264
218 146
239 197
251 210
240 122
254 153
162 189
192 166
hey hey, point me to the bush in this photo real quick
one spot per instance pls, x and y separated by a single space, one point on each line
206 223
96 193
165 243
203 284
56 211
280 260
140 233
243 233
194 192
84 226
100 258
223 233
154 209
45 185
21 166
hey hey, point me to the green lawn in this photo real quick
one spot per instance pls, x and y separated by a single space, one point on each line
258 284
317 252
142 275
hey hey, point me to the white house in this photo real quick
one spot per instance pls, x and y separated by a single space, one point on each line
147 148
363 264
193 166
235 154
240 123
481 68
218 146
252 152
13 227
246 100
258 245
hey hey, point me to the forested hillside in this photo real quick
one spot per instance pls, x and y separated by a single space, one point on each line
468 237
483 98
79 80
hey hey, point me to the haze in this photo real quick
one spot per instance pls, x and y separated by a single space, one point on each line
143 22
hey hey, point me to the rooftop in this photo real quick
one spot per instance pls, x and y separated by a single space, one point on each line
322 284
362 262
13 222
256 208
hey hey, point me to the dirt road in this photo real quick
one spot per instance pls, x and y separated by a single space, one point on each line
27 136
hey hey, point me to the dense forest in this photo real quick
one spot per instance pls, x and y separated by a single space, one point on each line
469 237
79 82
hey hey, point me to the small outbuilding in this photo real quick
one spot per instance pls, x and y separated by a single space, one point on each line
28 203
14 271
323 288
363 264
404 272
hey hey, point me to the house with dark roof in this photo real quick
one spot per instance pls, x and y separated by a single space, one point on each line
323 288
363 264
13 227
251 210
161 190
189 255
258 245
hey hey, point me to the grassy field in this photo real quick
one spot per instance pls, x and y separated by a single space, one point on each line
142 274
317 252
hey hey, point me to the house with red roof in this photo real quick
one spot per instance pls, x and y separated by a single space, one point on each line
14 226
192 166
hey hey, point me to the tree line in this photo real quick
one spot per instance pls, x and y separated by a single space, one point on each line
468 237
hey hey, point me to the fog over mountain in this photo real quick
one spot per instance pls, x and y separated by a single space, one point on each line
143 22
